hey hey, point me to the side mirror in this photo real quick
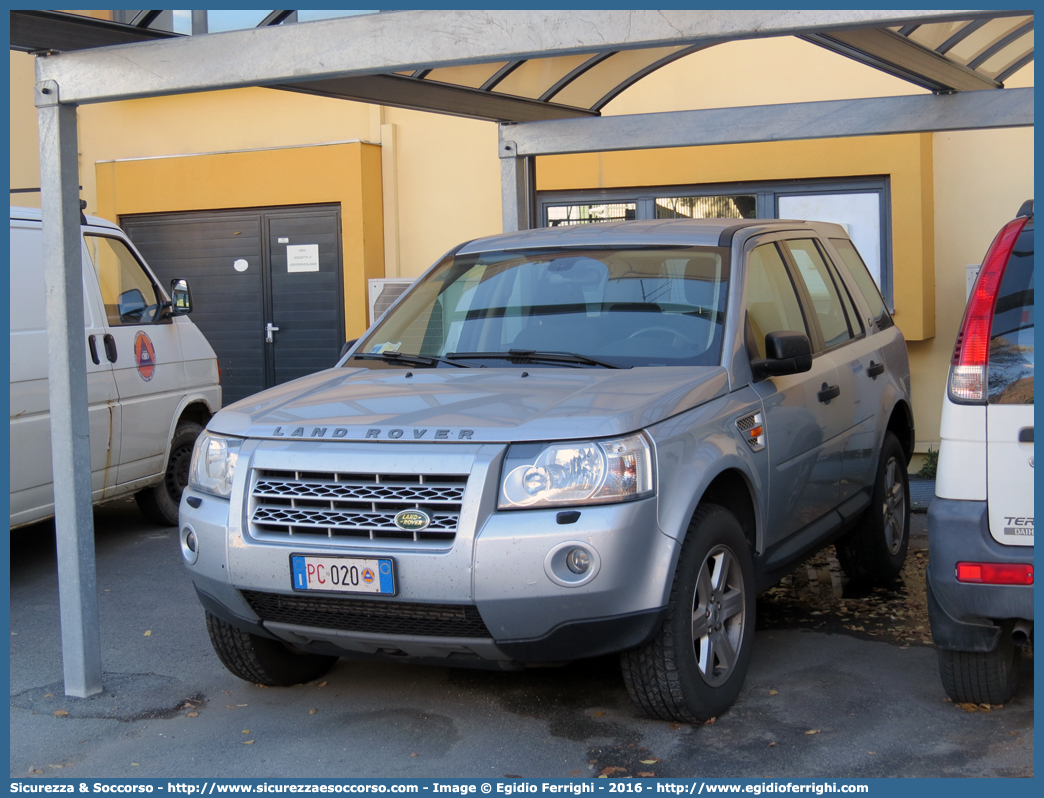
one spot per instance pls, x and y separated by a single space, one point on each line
131 306
181 298
788 353
347 345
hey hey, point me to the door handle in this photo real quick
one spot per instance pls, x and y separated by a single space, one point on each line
829 392
269 329
875 370
110 347
1026 435
92 344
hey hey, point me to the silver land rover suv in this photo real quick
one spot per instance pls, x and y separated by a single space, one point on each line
562 443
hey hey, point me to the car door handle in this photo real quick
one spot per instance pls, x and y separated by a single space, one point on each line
110 347
1026 435
269 329
829 392
875 370
92 344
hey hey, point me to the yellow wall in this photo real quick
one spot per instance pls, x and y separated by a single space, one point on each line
349 174
25 148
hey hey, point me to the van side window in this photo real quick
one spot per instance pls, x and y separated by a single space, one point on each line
867 286
826 301
772 303
129 295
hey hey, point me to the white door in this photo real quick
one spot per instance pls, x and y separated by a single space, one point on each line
32 495
144 347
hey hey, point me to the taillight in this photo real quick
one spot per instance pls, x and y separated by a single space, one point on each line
971 354
995 573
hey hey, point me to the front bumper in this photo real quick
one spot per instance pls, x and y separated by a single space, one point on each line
962 615
507 566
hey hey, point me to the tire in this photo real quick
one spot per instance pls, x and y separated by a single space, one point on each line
689 672
982 678
159 504
873 553
259 660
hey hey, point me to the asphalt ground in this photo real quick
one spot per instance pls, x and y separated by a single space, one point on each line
841 685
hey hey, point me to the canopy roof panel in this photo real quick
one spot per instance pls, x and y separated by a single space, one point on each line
940 51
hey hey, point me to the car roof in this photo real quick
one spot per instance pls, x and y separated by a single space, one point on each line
659 232
35 215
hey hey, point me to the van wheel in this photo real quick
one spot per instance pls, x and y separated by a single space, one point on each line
693 668
159 503
977 677
259 660
873 553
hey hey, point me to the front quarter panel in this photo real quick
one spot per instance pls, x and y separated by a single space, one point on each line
695 447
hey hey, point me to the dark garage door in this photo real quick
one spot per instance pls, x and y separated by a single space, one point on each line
251 271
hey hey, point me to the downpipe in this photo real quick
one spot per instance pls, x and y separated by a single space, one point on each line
1022 633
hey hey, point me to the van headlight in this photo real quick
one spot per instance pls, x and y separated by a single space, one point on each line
576 472
214 464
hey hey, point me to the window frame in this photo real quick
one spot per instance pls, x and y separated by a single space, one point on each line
767 193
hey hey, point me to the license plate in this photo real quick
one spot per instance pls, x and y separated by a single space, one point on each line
343 574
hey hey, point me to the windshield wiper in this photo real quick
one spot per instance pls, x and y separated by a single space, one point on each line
532 356
403 357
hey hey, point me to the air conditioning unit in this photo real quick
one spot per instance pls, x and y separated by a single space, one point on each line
383 293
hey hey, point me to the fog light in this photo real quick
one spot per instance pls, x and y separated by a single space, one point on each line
190 541
578 561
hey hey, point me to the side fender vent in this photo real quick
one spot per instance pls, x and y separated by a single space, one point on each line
752 430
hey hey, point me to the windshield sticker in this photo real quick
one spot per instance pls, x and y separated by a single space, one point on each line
386 347
144 356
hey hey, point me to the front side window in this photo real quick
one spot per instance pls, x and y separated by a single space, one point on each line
771 304
826 300
644 307
129 295
1011 337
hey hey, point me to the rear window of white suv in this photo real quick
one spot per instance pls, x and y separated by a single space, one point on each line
1011 337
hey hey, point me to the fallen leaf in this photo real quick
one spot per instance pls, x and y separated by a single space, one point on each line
708 722
646 774
872 753
229 706
312 711
985 708
226 692
773 692
245 731
649 761
135 765
187 705
574 772
321 684
148 633
248 742
598 714
413 755
812 731
60 713
56 767
34 771
772 744
611 770
48 695
241 705
675 726
191 714
965 707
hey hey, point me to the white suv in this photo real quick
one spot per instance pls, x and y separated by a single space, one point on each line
980 526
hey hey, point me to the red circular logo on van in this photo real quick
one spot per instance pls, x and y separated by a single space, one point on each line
144 356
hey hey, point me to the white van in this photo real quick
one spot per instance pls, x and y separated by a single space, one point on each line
152 378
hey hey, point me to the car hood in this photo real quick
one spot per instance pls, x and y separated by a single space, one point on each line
470 404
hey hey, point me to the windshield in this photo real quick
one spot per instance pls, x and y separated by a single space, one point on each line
615 307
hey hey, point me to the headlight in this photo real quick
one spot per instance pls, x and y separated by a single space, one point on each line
577 472
213 464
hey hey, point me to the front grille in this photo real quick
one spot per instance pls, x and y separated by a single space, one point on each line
363 615
323 505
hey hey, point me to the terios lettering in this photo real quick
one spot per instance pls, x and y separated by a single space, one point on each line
375 433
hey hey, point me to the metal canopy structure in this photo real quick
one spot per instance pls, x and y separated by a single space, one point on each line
548 74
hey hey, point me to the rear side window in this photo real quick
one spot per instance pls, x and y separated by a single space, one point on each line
826 300
867 286
1011 337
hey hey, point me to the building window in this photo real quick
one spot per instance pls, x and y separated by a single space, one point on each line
860 205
